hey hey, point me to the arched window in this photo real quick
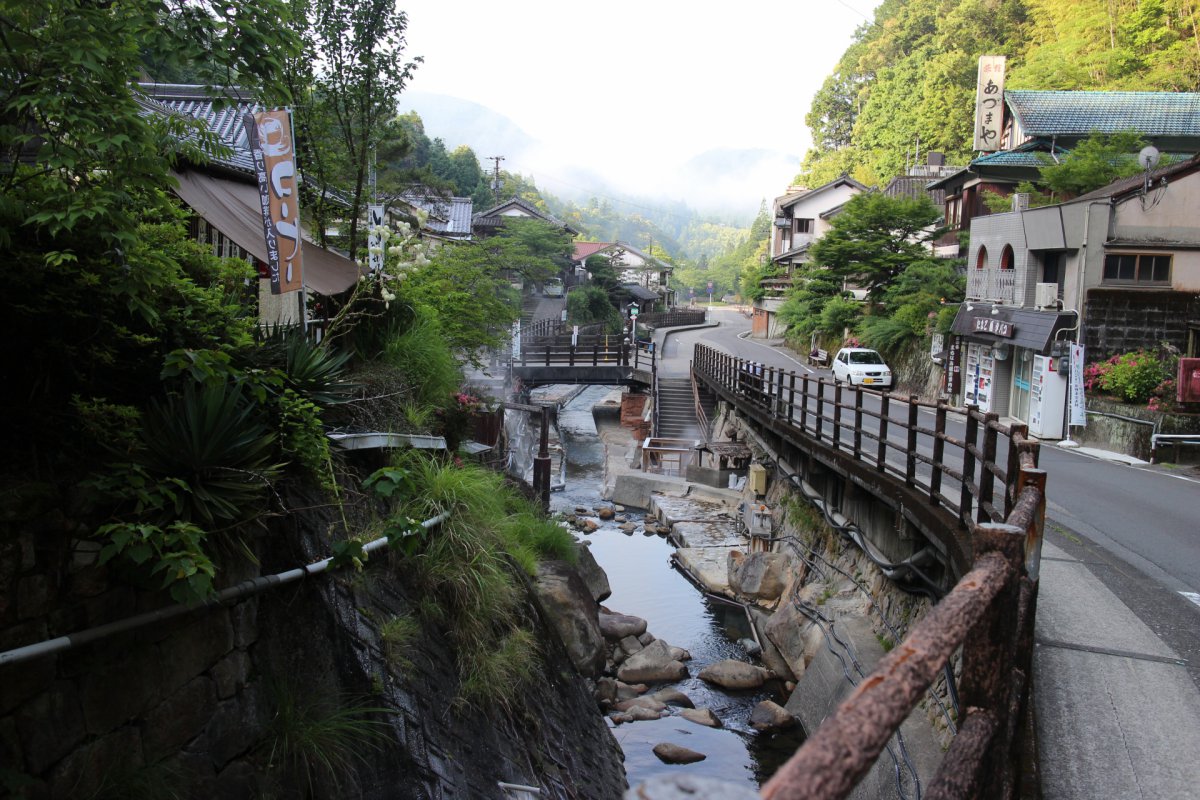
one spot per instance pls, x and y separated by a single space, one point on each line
981 259
1006 257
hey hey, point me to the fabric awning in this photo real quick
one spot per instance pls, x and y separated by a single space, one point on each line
232 208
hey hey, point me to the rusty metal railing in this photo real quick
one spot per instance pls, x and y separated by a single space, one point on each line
990 611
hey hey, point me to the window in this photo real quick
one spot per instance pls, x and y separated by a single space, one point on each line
981 259
1052 268
1137 268
1006 257
803 225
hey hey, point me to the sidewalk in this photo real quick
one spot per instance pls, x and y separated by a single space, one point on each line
1118 715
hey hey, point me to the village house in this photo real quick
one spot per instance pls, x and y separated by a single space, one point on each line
644 278
1117 269
1042 127
801 217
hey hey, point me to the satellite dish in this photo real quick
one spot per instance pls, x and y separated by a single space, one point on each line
1148 157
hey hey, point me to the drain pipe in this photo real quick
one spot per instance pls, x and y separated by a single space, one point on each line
226 596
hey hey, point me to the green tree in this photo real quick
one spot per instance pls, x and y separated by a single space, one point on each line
1095 162
875 238
347 82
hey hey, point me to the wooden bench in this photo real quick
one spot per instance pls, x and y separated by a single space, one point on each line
818 357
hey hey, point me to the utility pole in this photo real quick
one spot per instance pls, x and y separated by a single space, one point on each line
496 175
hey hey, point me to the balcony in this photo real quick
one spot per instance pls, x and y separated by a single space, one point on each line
992 284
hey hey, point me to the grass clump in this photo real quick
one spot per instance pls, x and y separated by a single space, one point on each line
316 742
399 634
472 564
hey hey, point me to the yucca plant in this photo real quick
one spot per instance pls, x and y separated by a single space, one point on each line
312 369
210 443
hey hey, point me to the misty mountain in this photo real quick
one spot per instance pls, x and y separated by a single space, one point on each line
727 183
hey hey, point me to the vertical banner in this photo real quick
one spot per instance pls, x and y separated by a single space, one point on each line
1077 404
989 103
269 134
516 338
375 238
953 375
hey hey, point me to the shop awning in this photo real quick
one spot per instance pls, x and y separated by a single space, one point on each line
1019 327
232 208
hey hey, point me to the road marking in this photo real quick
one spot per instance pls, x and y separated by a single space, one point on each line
775 350
1193 596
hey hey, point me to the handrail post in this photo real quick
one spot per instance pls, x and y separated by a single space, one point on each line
804 401
820 407
791 409
884 410
1013 468
910 469
988 651
837 416
939 448
968 470
858 418
987 478
777 406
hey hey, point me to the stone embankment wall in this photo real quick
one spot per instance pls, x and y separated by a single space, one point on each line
828 590
198 706
1111 429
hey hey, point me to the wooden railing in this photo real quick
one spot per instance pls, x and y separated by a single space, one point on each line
596 351
671 319
989 613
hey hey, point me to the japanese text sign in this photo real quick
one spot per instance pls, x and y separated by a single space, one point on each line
269 134
989 103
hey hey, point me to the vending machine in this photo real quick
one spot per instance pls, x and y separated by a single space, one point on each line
1047 399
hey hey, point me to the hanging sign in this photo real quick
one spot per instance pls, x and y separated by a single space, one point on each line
375 238
269 134
996 327
989 103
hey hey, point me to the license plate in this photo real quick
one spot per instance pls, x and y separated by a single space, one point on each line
868 380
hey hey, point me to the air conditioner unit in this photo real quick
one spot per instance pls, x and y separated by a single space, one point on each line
1045 295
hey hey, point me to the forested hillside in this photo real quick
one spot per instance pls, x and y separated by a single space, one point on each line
910 75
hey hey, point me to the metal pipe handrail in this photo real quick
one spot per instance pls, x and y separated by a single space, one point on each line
232 594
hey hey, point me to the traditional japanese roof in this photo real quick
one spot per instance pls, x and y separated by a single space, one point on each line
844 180
495 216
585 250
447 215
221 114
1063 114
639 292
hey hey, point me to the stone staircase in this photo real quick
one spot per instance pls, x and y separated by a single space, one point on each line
677 409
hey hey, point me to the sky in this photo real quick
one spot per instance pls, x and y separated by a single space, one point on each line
631 89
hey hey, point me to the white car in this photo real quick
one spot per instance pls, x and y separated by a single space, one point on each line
860 366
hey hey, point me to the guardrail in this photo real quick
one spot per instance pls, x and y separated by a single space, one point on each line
990 611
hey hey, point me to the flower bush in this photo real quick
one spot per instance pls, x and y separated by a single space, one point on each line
1138 377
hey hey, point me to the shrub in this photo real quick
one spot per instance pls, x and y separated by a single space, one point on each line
1132 377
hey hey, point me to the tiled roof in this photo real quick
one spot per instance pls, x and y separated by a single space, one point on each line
493 216
448 215
584 250
1060 113
225 120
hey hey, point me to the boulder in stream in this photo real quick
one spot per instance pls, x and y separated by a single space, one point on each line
572 612
770 716
702 716
670 753
733 674
642 702
652 663
592 574
616 627
758 576
673 697
605 512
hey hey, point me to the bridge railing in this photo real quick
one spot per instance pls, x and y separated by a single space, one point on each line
671 319
989 613
594 353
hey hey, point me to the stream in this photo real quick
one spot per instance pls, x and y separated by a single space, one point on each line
645 584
